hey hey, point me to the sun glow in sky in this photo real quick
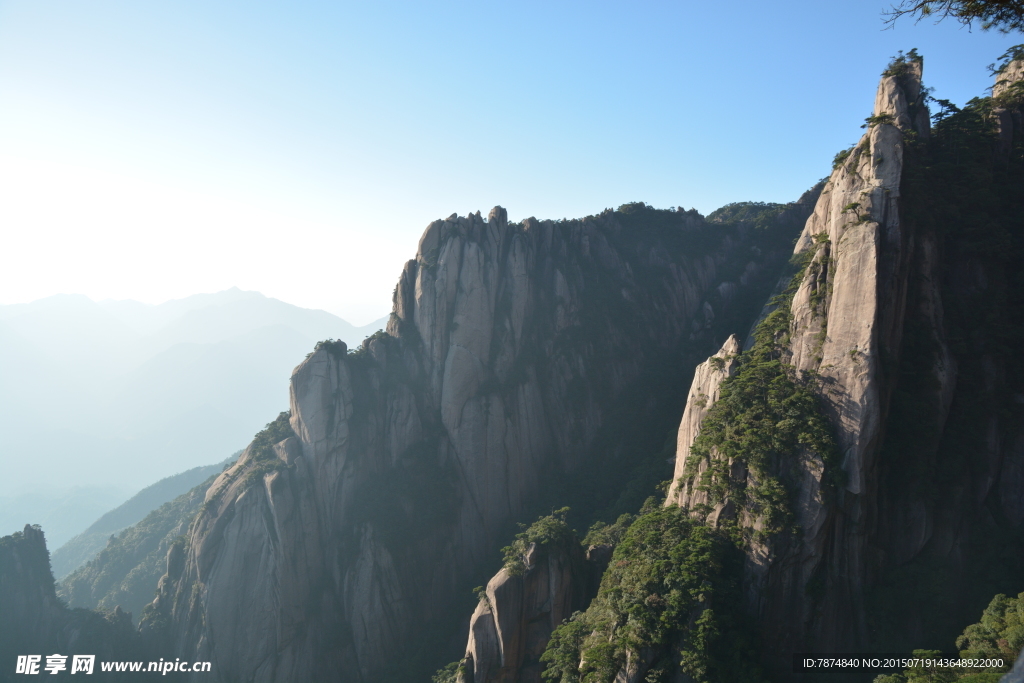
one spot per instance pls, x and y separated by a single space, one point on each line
155 150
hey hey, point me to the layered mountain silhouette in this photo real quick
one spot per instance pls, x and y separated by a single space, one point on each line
101 399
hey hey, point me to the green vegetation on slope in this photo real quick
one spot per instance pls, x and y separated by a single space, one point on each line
764 417
669 604
126 572
759 215
547 530
262 459
670 596
998 636
90 542
448 673
627 463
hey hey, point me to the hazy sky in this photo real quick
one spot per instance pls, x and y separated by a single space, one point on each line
154 150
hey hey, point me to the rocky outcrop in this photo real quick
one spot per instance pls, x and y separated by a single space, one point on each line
1007 95
514 619
703 393
859 253
885 322
27 589
34 622
520 358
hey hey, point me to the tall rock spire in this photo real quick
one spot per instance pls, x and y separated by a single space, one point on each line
882 271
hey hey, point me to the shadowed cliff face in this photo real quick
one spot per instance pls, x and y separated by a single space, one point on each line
514 619
520 359
904 318
35 622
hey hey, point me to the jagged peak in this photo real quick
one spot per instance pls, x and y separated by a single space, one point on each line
704 391
498 214
1011 72
898 100
436 231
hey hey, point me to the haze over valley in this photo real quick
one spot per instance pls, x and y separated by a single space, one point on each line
104 398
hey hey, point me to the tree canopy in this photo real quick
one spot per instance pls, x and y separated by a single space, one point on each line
1005 16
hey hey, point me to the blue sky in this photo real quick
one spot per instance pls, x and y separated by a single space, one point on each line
154 150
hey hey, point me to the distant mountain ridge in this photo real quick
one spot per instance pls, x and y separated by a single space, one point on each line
90 389
127 569
85 545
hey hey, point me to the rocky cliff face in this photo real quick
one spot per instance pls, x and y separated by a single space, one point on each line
904 317
707 380
848 311
514 619
516 357
1006 93
34 622
126 570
